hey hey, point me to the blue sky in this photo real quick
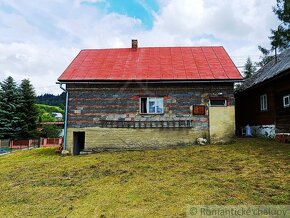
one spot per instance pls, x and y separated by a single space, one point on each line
40 38
140 9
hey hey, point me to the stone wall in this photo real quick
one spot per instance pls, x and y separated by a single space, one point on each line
88 104
267 131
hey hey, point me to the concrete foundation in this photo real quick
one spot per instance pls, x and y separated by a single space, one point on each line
135 138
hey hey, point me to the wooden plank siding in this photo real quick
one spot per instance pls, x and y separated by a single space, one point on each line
248 105
282 113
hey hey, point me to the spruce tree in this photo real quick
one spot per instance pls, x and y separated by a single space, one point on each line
280 37
249 68
9 113
28 111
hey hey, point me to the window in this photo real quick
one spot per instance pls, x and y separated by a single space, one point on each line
286 101
151 105
218 102
263 102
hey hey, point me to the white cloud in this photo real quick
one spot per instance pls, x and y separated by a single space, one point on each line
226 20
240 26
38 41
42 65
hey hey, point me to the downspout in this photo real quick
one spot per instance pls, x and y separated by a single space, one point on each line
65 117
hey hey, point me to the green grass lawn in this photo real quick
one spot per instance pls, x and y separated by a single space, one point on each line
150 183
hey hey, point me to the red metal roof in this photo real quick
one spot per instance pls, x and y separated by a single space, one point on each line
156 63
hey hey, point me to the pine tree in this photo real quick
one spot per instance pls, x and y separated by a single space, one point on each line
266 56
28 111
280 38
250 69
9 114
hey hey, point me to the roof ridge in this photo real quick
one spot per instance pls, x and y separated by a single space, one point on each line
202 46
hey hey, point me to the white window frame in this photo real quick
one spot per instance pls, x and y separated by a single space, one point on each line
213 105
150 99
264 102
284 101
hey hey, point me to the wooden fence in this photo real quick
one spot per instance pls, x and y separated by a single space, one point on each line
25 143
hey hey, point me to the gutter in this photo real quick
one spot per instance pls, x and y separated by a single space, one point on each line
151 82
65 118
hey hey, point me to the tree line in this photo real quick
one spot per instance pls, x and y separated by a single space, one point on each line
19 112
52 100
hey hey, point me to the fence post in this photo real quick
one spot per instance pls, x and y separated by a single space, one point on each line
9 146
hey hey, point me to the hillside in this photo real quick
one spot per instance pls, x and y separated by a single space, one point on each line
52 100
150 183
45 112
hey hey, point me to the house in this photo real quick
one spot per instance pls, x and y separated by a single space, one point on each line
149 97
263 101
58 116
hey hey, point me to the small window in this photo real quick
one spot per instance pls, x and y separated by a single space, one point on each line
286 101
198 110
263 102
151 105
218 102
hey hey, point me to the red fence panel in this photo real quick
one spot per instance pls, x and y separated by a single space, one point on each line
19 144
51 141
26 143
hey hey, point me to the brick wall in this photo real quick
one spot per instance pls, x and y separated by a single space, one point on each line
90 105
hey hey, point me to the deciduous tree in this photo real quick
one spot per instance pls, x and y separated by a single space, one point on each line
51 131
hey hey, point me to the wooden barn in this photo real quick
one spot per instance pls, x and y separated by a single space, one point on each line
149 97
263 101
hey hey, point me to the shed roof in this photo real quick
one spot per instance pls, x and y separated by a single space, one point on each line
269 71
152 63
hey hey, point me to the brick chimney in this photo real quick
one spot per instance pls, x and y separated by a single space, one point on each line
134 44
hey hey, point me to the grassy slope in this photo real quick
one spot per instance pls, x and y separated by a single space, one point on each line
49 108
150 183
45 112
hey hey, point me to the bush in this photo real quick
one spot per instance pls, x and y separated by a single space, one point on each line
51 131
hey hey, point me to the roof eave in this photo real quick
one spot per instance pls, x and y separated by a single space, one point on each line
281 74
147 81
